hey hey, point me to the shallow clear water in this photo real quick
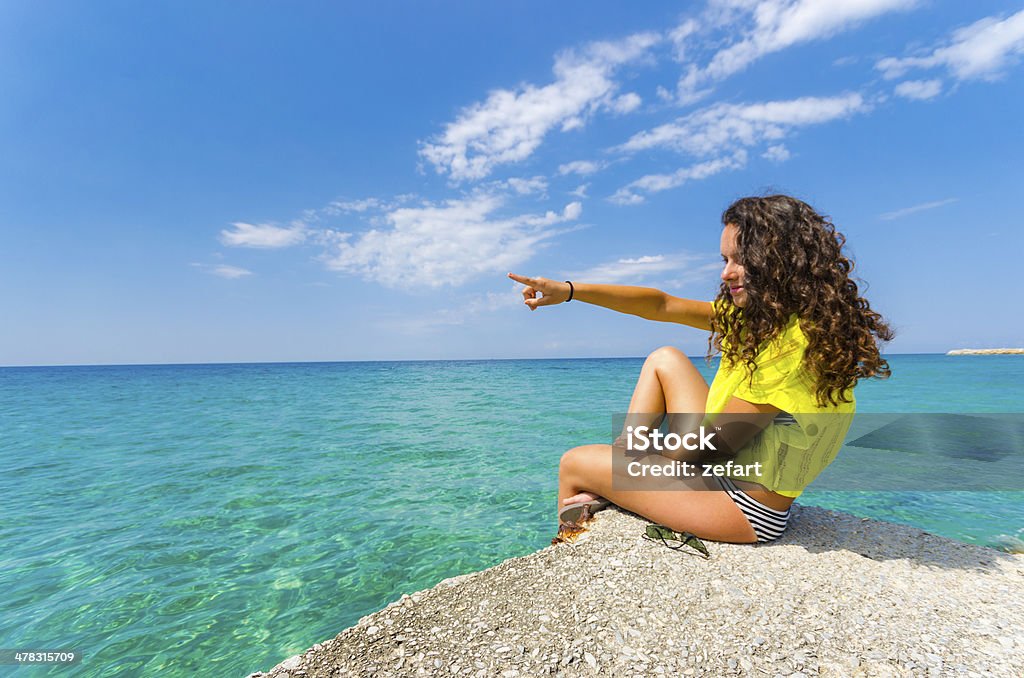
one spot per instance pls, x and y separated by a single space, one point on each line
219 518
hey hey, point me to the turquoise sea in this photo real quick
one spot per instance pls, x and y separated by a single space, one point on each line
216 519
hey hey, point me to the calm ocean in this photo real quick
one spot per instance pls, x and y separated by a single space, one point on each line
215 519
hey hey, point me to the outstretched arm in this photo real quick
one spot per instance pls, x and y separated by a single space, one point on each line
646 302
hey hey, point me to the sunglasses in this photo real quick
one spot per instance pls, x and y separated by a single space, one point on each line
675 540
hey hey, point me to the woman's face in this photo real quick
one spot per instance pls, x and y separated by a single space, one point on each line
733 274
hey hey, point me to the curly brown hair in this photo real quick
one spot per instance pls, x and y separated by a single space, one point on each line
794 263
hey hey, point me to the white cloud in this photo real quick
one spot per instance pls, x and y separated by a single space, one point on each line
510 125
626 103
222 270
730 125
625 196
524 186
983 50
581 191
684 266
919 89
730 129
263 236
571 212
655 183
446 244
896 214
231 272
342 206
776 153
776 25
582 167
360 206
680 36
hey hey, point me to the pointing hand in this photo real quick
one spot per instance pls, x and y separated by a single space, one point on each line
551 291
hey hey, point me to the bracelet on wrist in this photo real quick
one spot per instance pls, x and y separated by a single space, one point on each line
572 291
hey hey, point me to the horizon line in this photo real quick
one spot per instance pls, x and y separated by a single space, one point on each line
382 360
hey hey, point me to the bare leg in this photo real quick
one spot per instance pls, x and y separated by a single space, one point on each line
677 503
668 382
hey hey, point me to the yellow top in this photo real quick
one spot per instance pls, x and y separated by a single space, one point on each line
791 455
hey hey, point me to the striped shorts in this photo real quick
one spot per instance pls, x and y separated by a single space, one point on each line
768 523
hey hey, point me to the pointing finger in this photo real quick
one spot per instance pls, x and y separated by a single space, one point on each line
521 279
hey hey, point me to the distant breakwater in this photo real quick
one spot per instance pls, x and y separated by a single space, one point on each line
986 351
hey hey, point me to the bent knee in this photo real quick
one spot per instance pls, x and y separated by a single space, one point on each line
572 456
578 456
665 356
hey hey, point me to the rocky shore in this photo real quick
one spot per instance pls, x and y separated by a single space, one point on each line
836 596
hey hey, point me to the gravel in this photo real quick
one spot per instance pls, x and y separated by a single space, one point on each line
837 595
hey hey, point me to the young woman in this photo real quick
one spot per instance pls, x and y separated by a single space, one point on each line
794 337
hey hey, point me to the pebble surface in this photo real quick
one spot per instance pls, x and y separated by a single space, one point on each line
837 595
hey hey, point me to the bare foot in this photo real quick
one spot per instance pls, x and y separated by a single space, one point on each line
580 498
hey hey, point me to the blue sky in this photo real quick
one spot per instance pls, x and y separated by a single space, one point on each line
210 182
